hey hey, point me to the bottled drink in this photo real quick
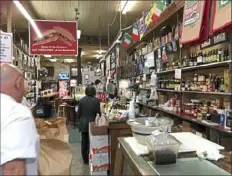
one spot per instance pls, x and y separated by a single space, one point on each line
217 55
204 58
199 58
190 60
195 60
220 55
222 88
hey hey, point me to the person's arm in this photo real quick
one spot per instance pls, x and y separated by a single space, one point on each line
18 141
79 110
98 107
15 167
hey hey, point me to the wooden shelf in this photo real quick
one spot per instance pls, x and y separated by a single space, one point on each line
196 92
205 66
190 118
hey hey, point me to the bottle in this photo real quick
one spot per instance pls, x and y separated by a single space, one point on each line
199 59
220 55
195 60
222 88
214 55
207 57
190 60
204 58
183 84
217 55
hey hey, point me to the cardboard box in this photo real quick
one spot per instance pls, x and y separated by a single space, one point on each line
97 130
99 162
186 126
103 173
99 144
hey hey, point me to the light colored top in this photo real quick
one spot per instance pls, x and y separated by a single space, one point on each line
19 137
25 102
110 88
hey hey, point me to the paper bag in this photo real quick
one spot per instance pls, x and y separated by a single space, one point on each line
54 129
55 157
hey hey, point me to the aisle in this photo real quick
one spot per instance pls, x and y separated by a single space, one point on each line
77 168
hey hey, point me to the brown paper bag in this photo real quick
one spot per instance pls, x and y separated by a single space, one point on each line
54 129
221 17
55 157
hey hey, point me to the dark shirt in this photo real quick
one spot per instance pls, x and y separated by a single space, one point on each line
88 109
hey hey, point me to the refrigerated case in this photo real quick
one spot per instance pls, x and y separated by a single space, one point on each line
63 84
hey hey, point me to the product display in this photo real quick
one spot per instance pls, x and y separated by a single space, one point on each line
160 77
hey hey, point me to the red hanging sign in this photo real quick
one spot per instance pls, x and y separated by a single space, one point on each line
58 38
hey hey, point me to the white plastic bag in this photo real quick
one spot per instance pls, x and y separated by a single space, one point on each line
153 81
131 110
153 95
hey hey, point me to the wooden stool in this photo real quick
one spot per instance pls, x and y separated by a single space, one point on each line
61 110
53 106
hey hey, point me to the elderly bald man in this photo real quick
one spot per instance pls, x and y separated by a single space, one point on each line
19 139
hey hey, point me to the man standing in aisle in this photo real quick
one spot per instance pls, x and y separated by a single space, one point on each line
19 139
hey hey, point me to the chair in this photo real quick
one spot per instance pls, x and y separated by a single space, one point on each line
53 106
62 110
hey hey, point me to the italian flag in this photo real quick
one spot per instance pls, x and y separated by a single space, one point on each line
127 40
135 33
159 8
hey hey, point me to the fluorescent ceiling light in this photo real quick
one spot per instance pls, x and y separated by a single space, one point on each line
100 52
98 56
53 60
126 5
28 17
78 34
47 56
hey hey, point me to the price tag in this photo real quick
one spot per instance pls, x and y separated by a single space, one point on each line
6 47
177 73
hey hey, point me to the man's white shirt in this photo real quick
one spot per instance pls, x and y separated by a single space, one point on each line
19 139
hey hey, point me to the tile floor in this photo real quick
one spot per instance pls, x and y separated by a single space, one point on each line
77 168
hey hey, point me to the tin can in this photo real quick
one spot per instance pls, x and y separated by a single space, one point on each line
222 119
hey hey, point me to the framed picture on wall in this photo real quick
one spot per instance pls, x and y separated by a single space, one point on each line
220 38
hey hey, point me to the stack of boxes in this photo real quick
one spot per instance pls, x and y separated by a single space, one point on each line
99 149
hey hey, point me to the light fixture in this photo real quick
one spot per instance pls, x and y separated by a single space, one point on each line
48 56
53 60
98 56
28 17
126 6
78 34
100 52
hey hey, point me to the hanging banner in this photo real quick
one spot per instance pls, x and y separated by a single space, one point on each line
222 15
58 38
6 47
142 25
195 21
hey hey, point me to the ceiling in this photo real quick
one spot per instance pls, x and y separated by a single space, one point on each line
93 17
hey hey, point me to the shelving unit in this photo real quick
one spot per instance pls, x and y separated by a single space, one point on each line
196 92
190 118
205 66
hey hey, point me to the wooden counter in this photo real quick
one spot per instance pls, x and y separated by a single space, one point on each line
215 133
128 163
116 129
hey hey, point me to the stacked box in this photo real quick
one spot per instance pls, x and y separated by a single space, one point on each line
99 149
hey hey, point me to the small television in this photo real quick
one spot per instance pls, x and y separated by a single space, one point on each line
63 76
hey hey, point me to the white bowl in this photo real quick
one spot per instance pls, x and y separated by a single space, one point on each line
141 131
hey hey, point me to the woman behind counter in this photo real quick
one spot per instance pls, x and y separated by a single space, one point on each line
89 107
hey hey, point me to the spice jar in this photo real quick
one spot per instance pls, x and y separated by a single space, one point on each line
195 78
201 78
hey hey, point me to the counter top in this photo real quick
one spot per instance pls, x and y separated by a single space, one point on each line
141 165
190 118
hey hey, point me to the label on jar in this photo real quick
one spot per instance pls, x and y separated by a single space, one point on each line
199 59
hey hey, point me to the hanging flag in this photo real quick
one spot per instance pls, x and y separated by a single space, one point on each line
127 40
135 33
158 9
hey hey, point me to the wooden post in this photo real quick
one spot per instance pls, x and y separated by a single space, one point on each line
9 16
79 76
